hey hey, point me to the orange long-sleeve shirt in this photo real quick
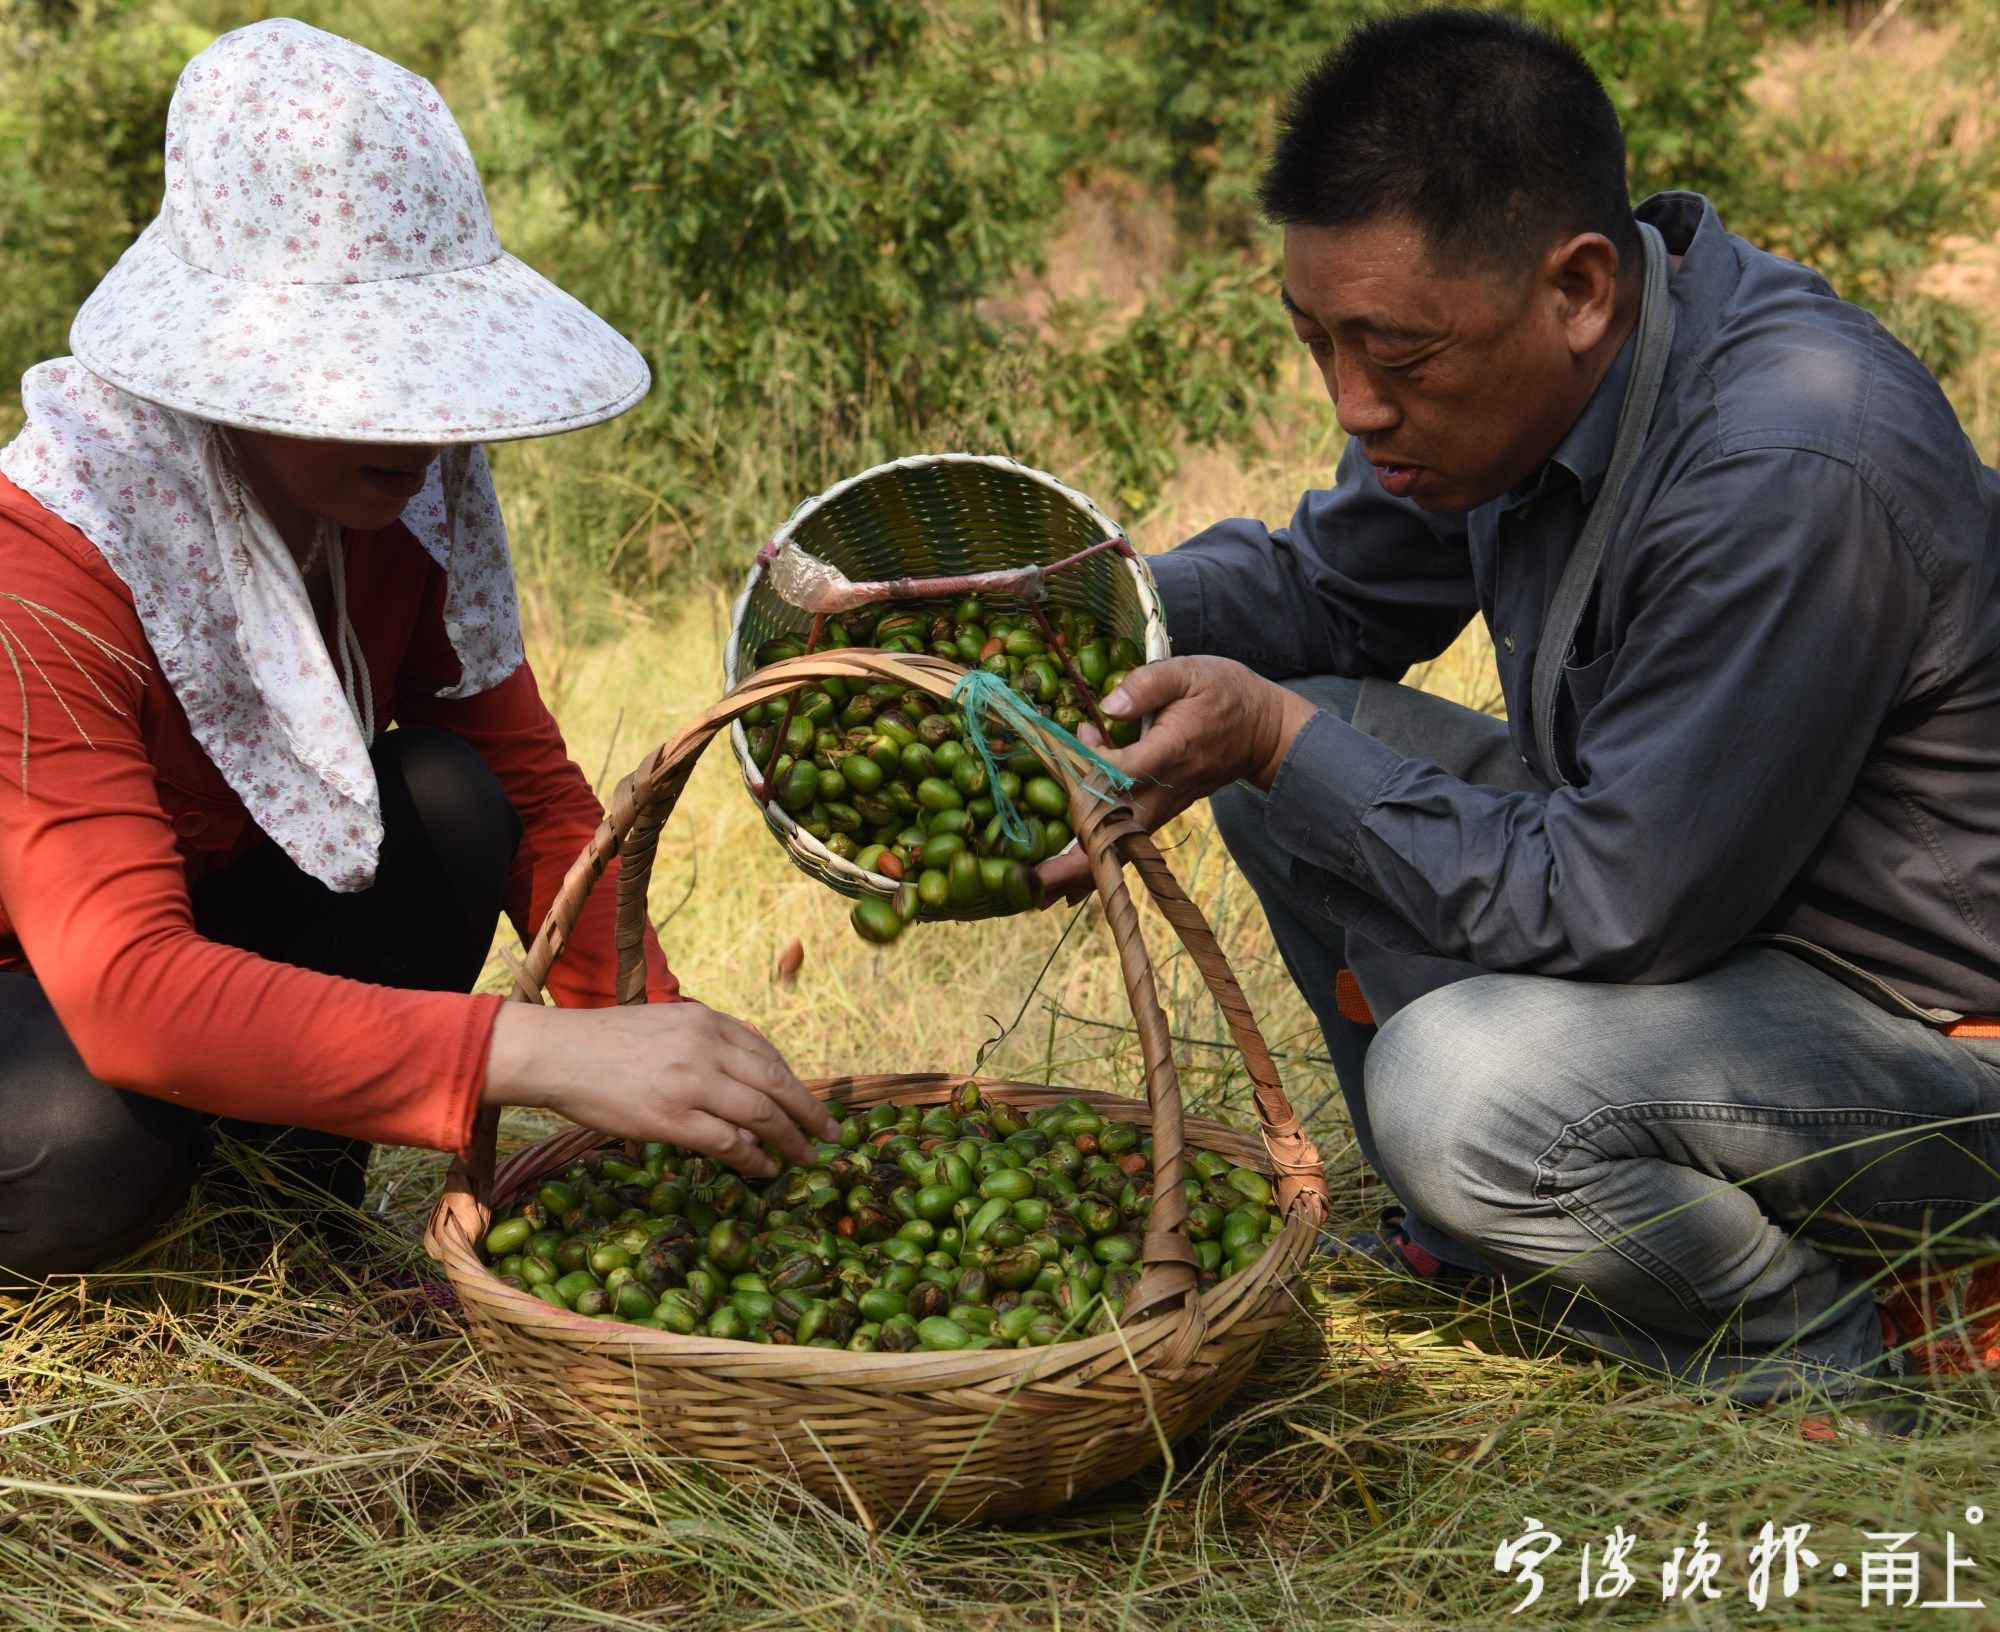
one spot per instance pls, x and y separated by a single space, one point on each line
115 811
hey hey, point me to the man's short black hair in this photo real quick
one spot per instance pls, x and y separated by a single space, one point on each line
1492 134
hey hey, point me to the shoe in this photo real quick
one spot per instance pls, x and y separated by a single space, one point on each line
1918 1322
1389 1246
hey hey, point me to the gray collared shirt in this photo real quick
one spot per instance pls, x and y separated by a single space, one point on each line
1782 715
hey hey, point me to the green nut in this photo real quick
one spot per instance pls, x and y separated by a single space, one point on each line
875 920
799 786
1009 1183
1045 797
1251 1185
508 1237
860 773
940 1333
883 1304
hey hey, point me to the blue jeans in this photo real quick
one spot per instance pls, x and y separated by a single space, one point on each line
1701 1177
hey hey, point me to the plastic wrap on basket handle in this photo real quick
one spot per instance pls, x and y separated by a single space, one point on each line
812 585
980 694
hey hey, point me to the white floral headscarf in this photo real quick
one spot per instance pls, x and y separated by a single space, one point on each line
227 614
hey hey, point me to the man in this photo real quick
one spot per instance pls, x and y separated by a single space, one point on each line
1672 970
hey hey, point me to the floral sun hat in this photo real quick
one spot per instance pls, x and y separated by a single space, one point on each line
324 265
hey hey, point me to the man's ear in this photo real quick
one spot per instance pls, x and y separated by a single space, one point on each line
1583 275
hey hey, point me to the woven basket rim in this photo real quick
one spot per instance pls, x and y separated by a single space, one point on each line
807 851
920 1370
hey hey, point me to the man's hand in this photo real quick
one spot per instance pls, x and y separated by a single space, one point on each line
675 1072
1215 722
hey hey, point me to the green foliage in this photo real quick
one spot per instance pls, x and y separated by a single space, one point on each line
822 220
83 114
808 196
1864 195
1679 76
424 38
1196 364
1191 100
1194 108
1867 201
814 217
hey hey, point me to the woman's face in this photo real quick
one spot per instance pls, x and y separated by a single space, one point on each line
362 485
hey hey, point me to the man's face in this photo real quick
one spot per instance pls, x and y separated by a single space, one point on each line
1459 385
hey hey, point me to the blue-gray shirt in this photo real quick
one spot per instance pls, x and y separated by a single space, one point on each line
1782 717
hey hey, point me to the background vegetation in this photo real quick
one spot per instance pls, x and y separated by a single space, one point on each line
829 223
842 229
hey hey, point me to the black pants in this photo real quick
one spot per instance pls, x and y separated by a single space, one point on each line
87 1170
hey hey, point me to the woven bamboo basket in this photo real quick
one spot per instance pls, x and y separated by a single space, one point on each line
937 514
900 1438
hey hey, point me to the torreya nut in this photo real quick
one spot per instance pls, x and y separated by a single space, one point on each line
879 774
957 1225
876 920
790 961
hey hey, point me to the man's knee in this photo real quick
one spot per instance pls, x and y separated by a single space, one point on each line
1241 819
1454 1098
86 1171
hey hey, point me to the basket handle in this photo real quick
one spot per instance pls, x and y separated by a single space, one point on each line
1110 836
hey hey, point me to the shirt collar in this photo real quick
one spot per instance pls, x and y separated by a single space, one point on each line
1586 452
1689 225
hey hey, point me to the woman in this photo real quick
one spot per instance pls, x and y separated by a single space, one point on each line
247 528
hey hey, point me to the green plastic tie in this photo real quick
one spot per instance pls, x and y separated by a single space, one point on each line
981 693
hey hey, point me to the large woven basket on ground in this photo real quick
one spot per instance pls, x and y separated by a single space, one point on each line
901 1437
937 515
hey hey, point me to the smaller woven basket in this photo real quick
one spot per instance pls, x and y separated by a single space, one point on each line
937 515
901 1437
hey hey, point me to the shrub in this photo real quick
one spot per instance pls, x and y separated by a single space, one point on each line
814 217
801 197
83 118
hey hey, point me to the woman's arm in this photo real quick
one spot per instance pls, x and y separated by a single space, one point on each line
677 1072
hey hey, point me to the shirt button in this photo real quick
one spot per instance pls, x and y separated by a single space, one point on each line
1507 641
1522 513
451 628
190 824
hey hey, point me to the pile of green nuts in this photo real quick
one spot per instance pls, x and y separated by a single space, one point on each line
882 776
965 1225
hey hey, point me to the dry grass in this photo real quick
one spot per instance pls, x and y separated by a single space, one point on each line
255 1427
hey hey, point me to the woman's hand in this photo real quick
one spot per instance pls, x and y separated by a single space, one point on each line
675 1072
1214 722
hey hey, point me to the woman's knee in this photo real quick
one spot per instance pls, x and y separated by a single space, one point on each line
87 1171
453 790
462 817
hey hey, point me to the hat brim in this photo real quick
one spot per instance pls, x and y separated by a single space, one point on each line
489 354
